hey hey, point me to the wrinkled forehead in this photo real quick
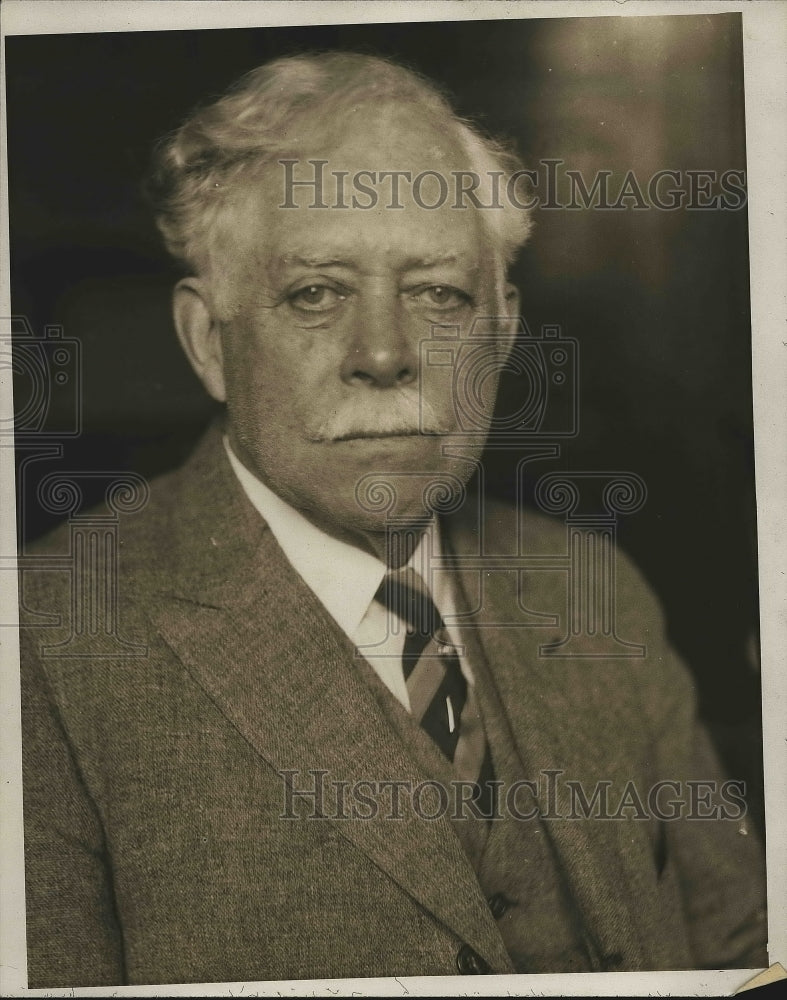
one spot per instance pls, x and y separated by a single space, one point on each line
385 184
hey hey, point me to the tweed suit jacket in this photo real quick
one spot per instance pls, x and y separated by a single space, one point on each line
156 851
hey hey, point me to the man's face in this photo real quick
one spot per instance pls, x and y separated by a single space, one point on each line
320 355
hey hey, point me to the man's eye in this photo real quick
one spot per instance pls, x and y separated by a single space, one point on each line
442 296
316 298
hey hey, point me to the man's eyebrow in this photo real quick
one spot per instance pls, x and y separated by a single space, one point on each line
433 261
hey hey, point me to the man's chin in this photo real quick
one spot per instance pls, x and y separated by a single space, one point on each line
389 501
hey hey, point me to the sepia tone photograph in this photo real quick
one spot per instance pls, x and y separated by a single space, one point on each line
386 522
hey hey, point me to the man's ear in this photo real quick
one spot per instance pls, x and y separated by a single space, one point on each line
199 335
510 328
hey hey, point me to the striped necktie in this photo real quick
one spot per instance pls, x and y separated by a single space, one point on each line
441 700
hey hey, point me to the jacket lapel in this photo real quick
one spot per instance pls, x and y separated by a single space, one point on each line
275 664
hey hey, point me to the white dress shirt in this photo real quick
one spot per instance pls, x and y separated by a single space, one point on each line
345 579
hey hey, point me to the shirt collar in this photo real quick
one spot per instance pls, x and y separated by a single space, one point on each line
323 561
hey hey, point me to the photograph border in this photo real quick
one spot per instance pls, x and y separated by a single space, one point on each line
765 33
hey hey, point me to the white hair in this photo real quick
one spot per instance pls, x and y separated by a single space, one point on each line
198 167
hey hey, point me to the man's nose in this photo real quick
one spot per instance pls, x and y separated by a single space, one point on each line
381 354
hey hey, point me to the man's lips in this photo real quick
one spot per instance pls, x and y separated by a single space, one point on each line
378 435
392 434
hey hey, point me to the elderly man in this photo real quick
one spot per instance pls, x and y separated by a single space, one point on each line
342 751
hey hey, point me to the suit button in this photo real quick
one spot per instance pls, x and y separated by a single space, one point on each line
499 904
470 963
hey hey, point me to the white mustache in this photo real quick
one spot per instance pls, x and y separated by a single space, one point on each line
402 414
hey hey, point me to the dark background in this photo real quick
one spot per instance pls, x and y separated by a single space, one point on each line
659 301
